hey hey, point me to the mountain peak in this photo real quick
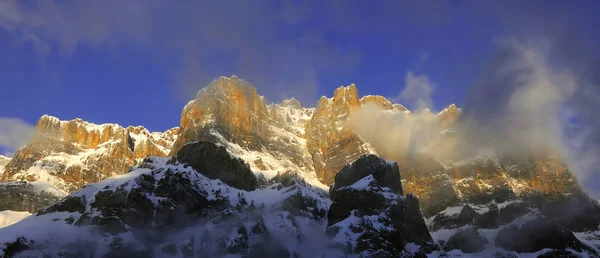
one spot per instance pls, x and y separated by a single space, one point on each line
347 94
449 115
292 102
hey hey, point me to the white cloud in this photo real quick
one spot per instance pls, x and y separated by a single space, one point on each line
14 133
417 91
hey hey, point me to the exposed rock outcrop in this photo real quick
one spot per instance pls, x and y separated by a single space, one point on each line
330 142
215 162
229 111
23 196
372 219
232 107
384 171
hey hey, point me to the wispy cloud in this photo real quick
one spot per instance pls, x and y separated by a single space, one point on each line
14 133
417 91
209 38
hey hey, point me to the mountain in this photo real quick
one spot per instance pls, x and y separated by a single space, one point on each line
243 175
63 156
168 207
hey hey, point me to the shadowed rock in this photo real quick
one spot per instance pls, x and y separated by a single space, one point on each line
468 241
384 220
537 235
215 162
387 174
21 196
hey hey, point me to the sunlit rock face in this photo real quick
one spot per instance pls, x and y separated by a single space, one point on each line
232 107
230 112
70 154
330 142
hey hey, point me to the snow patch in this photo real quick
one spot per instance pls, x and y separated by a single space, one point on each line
272 165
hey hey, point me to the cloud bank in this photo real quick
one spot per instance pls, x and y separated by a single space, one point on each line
530 101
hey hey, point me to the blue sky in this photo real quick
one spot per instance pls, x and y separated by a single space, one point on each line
136 62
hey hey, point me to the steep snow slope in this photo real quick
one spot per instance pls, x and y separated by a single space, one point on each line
264 210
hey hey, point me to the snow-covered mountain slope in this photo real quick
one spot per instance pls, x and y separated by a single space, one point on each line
164 208
179 210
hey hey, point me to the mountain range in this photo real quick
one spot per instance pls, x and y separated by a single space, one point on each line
242 178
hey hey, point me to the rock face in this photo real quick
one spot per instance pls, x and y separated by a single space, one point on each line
230 112
70 154
382 170
329 141
230 106
369 215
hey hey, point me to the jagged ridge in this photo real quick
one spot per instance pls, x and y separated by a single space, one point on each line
316 143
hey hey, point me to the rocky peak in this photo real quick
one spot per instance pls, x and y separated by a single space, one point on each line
385 172
448 116
346 96
230 112
369 212
228 105
330 142
294 103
